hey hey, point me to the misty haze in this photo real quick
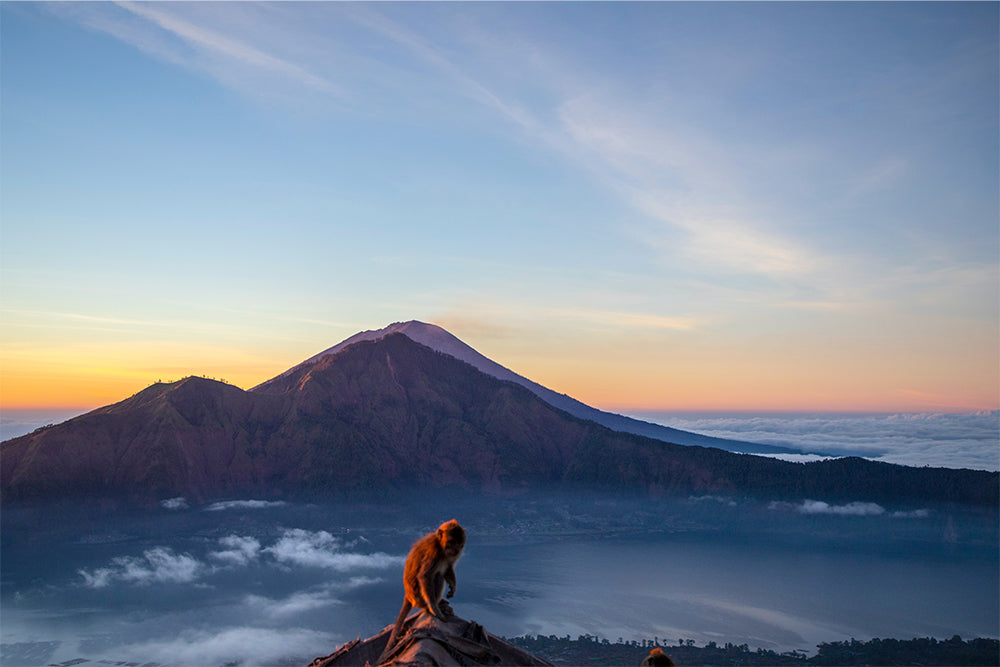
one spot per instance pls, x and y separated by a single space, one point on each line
266 583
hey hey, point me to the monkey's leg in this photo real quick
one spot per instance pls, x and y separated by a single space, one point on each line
431 587
396 629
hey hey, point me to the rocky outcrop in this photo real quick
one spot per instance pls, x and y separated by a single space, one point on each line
427 641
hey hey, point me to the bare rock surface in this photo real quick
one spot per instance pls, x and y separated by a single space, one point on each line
427 641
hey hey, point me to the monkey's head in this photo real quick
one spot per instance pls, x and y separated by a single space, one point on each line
451 537
657 658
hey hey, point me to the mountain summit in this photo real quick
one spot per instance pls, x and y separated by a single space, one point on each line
388 414
442 341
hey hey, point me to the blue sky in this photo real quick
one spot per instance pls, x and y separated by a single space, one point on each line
653 205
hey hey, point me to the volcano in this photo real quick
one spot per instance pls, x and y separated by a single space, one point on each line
403 408
441 340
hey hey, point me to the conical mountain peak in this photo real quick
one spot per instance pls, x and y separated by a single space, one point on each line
440 340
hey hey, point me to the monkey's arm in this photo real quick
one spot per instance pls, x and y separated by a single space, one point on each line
449 578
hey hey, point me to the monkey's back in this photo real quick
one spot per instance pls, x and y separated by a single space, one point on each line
424 555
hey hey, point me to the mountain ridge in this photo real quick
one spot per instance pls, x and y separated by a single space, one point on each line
391 415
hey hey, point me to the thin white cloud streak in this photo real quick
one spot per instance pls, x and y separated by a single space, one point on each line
89 323
216 43
850 509
728 244
163 31
97 319
428 53
225 505
856 508
685 183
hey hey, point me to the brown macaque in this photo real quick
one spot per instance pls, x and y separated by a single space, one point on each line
657 658
429 566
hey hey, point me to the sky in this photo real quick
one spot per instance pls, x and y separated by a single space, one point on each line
648 206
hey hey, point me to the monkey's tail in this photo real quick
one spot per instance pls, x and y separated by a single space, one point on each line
394 635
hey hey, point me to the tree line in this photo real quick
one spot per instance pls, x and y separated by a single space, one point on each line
592 650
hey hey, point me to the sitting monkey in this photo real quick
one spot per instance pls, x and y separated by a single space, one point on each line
429 566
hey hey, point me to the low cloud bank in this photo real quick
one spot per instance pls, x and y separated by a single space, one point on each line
850 509
159 565
294 548
304 601
321 549
246 646
921 439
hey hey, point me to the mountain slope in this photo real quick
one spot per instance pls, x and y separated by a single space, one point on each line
391 415
441 340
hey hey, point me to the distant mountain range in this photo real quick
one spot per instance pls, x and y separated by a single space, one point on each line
409 407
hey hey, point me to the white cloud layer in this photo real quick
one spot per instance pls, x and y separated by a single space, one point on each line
156 566
850 509
240 550
940 440
856 508
321 549
246 646
295 548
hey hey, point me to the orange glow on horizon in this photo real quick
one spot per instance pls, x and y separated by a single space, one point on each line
644 377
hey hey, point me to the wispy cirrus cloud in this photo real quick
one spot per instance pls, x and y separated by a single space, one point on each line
218 44
688 184
209 41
